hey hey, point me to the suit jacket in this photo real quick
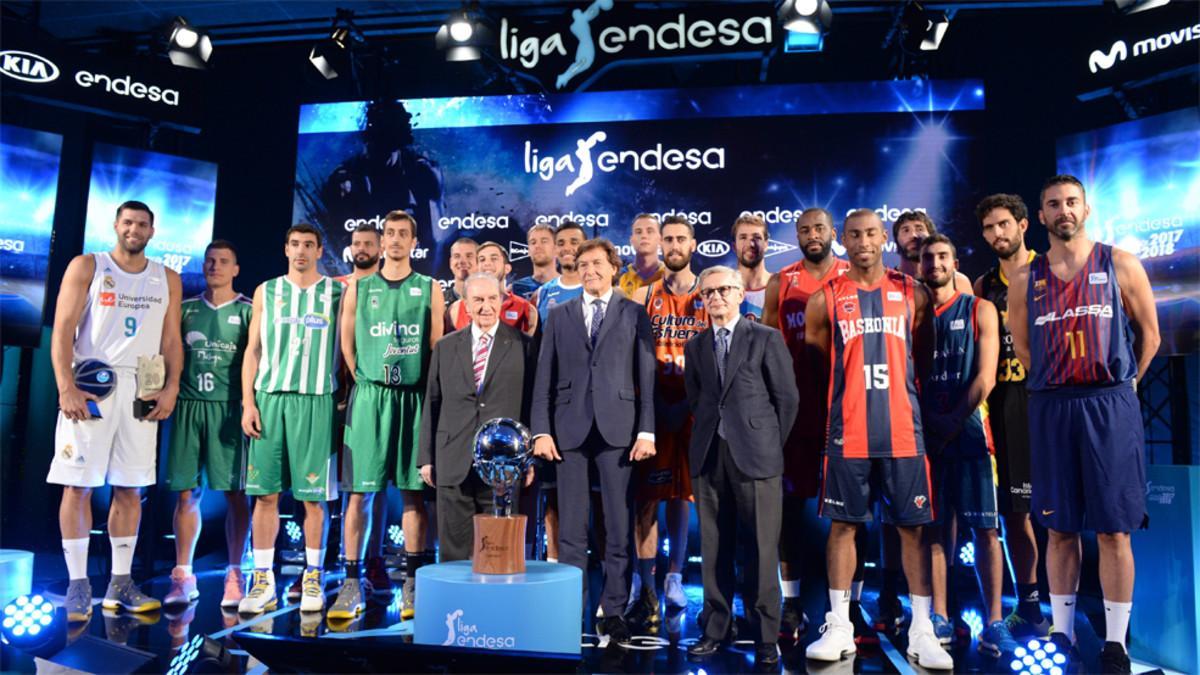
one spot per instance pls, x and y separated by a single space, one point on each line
453 412
611 385
758 402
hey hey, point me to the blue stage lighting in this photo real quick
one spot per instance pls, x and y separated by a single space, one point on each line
666 547
202 654
1038 657
293 531
396 535
32 624
967 554
803 42
974 621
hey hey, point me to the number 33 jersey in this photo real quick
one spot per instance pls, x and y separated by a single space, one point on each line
214 339
124 313
873 408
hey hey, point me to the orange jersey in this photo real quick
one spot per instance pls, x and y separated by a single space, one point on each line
675 319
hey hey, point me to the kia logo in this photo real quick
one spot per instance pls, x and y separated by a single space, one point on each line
1100 61
27 67
713 248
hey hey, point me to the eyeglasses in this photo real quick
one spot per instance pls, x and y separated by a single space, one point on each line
707 293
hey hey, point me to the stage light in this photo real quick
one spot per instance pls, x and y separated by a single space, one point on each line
973 621
202 655
461 36
331 56
805 16
293 531
666 546
1038 658
1135 6
936 25
967 554
396 535
33 625
460 27
187 46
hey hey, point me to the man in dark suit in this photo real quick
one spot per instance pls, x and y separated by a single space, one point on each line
593 399
476 374
743 396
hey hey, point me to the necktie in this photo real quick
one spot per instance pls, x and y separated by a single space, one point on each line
722 356
597 319
481 354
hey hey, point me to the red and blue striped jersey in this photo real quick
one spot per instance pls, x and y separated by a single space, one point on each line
1079 334
873 408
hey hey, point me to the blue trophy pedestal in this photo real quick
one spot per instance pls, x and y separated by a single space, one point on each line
16 574
538 611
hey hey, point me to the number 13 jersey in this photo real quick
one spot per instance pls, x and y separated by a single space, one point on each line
873 408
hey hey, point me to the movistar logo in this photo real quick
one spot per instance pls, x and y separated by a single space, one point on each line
1100 61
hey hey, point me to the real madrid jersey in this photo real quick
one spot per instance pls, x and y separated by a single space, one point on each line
123 316
298 330
214 339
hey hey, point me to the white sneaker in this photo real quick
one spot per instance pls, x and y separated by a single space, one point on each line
924 648
673 591
312 594
836 641
262 594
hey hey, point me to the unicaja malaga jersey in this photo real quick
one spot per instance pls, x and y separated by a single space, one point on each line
391 330
123 316
214 339
299 334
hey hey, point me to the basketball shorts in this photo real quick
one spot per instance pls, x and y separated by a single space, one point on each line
902 486
296 449
1088 451
666 475
117 449
206 439
380 442
1009 414
966 487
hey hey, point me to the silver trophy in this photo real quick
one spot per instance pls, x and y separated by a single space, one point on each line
503 452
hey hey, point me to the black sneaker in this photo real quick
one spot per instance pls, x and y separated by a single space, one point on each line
793 623
1114 658
643 615
617 631
863 632
891 615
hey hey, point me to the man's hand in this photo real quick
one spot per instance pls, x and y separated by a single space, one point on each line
544 448
529 476
73 403
251 421
166 398
642 449
427 475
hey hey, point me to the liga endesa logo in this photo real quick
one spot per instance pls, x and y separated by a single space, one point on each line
581 164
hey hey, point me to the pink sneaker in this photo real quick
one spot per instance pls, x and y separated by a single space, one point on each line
183 588
235 588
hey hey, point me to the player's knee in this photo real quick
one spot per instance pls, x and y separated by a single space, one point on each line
71 493
1112 540
127 496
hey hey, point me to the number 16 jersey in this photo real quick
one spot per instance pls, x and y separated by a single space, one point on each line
873 408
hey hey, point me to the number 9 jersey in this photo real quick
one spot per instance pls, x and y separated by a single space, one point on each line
124 314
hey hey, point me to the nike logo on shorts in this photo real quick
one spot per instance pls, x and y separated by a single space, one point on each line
1046 513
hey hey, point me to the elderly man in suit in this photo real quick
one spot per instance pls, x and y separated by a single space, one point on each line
744 399
593 405
476 374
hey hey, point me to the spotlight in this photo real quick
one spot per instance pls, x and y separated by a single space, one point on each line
34 625
462 35
967 554
202 655
186 46
334 56
936 25
293 531
1038 657
666 547
396 535
1135 6
973 621
805 16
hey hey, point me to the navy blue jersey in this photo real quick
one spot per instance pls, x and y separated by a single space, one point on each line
525 286
1079 334
955 364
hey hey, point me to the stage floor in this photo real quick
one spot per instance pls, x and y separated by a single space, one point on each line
309 638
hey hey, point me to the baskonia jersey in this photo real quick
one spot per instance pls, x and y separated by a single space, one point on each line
214 339
630 281
752 303
1079 334
873 407
554 293
514 311
526 286
796 286
391 330
299 335
955 362
123 316
675 320
995 289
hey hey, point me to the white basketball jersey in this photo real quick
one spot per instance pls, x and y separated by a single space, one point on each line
123 317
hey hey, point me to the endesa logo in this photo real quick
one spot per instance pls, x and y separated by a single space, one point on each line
713 248
126 86
889 214
27 66
352 223
584 219
581 163
473 221
13 245
414 254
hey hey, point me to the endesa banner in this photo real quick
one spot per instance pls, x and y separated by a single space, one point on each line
491 167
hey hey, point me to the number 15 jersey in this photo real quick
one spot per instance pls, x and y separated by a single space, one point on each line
873 408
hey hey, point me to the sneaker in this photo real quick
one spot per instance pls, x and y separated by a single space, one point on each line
295 590
943 629
408 605
79 601
119 625
925 649
996 641
183 588
235 585
262 594
313 599
377 574
1020 626
1114 658
349 603
673 593
617 631
863 632
644 614
836 641
891 615
124 594
793 622
310 624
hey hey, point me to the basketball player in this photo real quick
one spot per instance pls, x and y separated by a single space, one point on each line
645 240
515 311
114 307
909 230
1005 219
288 380
750 239
958 431
787 296
462 265
1084 325
676 315
862 328
390 322
206 434
540 240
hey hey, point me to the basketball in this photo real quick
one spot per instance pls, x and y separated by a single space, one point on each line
96 378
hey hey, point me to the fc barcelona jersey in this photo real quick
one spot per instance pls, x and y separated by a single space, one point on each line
873 405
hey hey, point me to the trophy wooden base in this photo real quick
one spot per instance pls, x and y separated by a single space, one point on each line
499 545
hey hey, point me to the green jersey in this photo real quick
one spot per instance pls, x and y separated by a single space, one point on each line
299 333
214 339
391 330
